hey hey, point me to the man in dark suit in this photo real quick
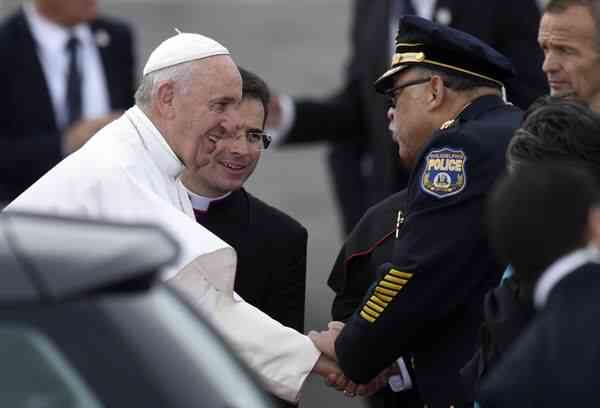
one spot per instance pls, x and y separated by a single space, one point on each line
554 129
432 260
555 361
569 36
67 73
363 160
270 245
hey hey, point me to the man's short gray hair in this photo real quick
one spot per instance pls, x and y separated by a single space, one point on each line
179 74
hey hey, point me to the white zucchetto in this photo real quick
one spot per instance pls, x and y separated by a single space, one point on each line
180 48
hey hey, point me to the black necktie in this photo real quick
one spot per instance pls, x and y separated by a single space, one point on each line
74 105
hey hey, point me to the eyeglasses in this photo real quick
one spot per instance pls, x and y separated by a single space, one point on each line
256 140
394 92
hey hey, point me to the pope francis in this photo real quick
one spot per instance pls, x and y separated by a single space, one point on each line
129 172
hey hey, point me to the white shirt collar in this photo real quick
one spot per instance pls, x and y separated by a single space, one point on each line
559 270
155 143
200 202
54 35
424 8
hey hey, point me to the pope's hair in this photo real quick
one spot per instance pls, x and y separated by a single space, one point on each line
180 74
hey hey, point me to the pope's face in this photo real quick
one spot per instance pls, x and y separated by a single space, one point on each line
571 54
68 12
234 158
206 110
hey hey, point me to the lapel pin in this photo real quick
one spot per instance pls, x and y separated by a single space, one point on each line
102 38
443 16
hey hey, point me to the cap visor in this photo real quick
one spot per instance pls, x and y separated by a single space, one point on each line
386 81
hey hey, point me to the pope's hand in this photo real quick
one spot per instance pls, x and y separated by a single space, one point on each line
325 340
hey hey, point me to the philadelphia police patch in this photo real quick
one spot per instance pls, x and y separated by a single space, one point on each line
444 173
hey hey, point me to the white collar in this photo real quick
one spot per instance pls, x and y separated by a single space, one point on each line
200 202
559 270
53 36
155 143
424 8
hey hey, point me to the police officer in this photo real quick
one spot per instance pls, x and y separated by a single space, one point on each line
424 250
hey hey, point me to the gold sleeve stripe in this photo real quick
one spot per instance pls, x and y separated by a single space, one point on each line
383 298
370 311
380 302
390 285
374 306
399 274
395 280
386 291
367 317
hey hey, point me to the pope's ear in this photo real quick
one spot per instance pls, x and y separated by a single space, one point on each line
165 97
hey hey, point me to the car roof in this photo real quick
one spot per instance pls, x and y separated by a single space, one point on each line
48 258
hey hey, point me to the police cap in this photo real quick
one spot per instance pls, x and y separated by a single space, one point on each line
422 42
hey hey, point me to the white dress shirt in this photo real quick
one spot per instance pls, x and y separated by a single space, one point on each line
51 39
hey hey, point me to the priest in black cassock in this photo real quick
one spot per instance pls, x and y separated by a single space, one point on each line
270 245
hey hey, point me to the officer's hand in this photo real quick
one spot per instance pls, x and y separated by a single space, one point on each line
326 368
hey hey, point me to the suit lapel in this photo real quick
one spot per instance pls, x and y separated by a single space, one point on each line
104 44
30 69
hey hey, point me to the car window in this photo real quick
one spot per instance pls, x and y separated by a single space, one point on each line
34 374
208 350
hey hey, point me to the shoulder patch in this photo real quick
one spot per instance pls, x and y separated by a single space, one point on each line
444 173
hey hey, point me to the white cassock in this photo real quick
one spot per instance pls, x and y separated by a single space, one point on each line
127 172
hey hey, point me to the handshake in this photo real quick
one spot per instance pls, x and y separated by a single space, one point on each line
328 368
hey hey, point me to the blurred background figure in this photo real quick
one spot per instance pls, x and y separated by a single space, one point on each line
362 159
554 362
554 129
67 73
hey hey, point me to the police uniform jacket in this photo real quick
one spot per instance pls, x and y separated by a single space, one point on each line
427 302
271 250
370 244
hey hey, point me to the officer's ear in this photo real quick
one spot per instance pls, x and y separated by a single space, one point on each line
438 91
